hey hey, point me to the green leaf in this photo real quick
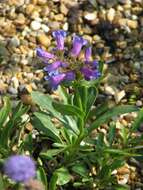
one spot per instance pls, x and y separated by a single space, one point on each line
15 120
111 134
53 182
101 109
91 97
110 113
4 112
50 153
45 102
119 152
63 176
19 111
43 123
117 164
138 121
1 183
104 173
68 110
121 187
63 94
41 176
71 123
124 133
80 169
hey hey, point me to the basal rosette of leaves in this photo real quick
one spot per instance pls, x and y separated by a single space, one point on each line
75 158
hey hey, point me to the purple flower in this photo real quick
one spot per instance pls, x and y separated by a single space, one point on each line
44 54
70 75
20 168
59 36
52 66
78 42
90 74
88 52
94 64
55 79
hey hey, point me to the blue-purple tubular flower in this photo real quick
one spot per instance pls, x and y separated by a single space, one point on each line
20 168
90 74
95 64
59 67
55 81
70 76
43 54
88 52
78 43
59 36
52 66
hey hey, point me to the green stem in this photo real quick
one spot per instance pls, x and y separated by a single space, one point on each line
76 145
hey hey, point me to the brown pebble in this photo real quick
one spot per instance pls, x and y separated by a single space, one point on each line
20 19
29 9
133 24
44 40
64 9
123 170
29 126
27 99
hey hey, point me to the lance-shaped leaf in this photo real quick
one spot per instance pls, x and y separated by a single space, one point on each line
111 113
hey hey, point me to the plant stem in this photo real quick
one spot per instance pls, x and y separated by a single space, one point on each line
75 147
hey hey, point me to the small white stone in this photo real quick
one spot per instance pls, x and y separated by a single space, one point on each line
35 25
109 90
111 14
15 82
119 95
15 42
124 180
24 61
90 16
30 75
139 103
65 26
45 28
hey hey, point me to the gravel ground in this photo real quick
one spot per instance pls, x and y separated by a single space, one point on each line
115 28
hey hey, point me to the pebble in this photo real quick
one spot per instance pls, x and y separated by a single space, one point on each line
29 9
24 61
139 103
20 20
12 90
26 99
45 28
35 25
15 82
14 42
133 24
66 26
64 9
111 14
90 16
43 40
119 95
41 2
109 90
123 179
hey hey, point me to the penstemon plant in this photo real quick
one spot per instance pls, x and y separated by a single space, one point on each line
72 156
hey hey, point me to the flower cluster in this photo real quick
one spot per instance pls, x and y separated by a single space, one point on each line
20 168
63 65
